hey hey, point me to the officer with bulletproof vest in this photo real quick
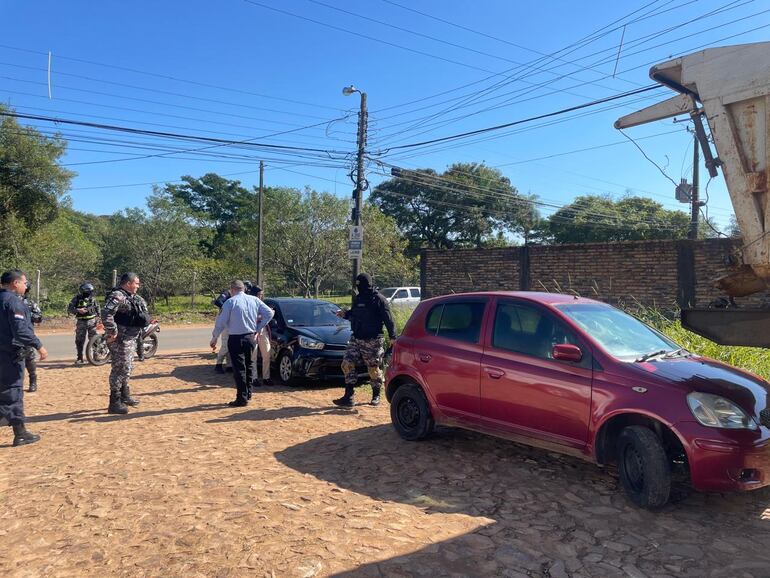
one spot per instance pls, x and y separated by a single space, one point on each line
86 311
369 312
30 358
16 334
124 316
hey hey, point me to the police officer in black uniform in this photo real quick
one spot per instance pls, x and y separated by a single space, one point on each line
30 359
86 311
16 333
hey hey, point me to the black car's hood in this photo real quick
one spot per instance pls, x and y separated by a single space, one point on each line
331 334
695 373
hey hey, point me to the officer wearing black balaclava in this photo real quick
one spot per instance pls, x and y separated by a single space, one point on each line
369 312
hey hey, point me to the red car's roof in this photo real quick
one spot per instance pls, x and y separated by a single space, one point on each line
537 296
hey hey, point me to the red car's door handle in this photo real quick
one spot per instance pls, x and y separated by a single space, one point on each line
494 373
426 357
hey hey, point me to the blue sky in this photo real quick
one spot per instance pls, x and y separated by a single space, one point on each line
239 70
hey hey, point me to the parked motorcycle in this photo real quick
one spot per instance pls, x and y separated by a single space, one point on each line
98 352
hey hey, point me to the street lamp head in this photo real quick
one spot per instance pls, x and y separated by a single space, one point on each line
348 90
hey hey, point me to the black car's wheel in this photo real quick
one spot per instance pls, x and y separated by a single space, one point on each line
97 352
410 412
286 368
644 467
150 345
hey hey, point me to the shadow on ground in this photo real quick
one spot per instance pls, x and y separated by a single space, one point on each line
549 514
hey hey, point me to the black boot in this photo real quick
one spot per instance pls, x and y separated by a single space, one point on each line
218 368
22 436
347 399
375 395
116 405
125 397
32 385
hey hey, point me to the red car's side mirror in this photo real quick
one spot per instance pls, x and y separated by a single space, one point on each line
567 352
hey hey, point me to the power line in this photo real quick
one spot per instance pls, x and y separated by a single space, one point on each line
367 37
169 77
217 142
582 42
157 102
530 119
476 96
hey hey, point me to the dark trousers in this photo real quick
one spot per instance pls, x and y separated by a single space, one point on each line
11 388
241 350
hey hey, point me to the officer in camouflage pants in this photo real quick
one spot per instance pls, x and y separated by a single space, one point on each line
86 310
370 311
31 355
124 315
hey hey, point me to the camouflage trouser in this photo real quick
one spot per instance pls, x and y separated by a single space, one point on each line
85 328
122 351
370 351
30 362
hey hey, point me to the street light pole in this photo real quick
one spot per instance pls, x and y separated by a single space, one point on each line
358 193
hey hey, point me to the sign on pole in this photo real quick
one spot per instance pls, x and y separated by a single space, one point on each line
356 233
355 249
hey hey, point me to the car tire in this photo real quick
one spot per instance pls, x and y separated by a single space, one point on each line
645 471
410 413
285 368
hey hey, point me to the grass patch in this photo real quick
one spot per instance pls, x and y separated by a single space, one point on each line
753 359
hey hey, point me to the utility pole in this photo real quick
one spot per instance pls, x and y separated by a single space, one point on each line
259 225
694 200
358 194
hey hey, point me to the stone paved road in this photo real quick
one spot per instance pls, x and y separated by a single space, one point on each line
293 487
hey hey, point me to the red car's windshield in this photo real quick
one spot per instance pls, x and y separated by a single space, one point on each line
618 333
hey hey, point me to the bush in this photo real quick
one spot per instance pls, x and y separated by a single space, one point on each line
753 359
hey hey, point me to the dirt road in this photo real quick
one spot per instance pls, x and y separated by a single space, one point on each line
289 486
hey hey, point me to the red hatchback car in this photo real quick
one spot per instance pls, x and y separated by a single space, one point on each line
581 377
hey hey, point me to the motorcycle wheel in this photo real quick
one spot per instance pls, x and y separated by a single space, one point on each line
150 345
97 351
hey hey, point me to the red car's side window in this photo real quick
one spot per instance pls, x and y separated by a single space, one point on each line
529 330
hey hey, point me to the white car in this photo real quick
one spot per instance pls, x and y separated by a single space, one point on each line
407 296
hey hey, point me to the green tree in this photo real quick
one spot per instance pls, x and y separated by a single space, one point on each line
598 219
160 245
307 239
466 206
218 203
31 183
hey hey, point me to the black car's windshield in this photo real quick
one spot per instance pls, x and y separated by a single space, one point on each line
310 313
620 334
388 292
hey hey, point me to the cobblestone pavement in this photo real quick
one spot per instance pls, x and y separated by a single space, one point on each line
290 486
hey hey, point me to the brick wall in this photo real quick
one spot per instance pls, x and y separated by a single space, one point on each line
655 273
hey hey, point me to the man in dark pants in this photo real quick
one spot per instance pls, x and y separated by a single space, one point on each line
30 357
86 311
370 311
239 317
16 334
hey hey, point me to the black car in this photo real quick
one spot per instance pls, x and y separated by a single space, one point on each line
307 340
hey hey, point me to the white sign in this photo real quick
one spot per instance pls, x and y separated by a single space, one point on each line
355 253
356 233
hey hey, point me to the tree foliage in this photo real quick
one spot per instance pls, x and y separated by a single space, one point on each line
468 205
32 183
599 219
